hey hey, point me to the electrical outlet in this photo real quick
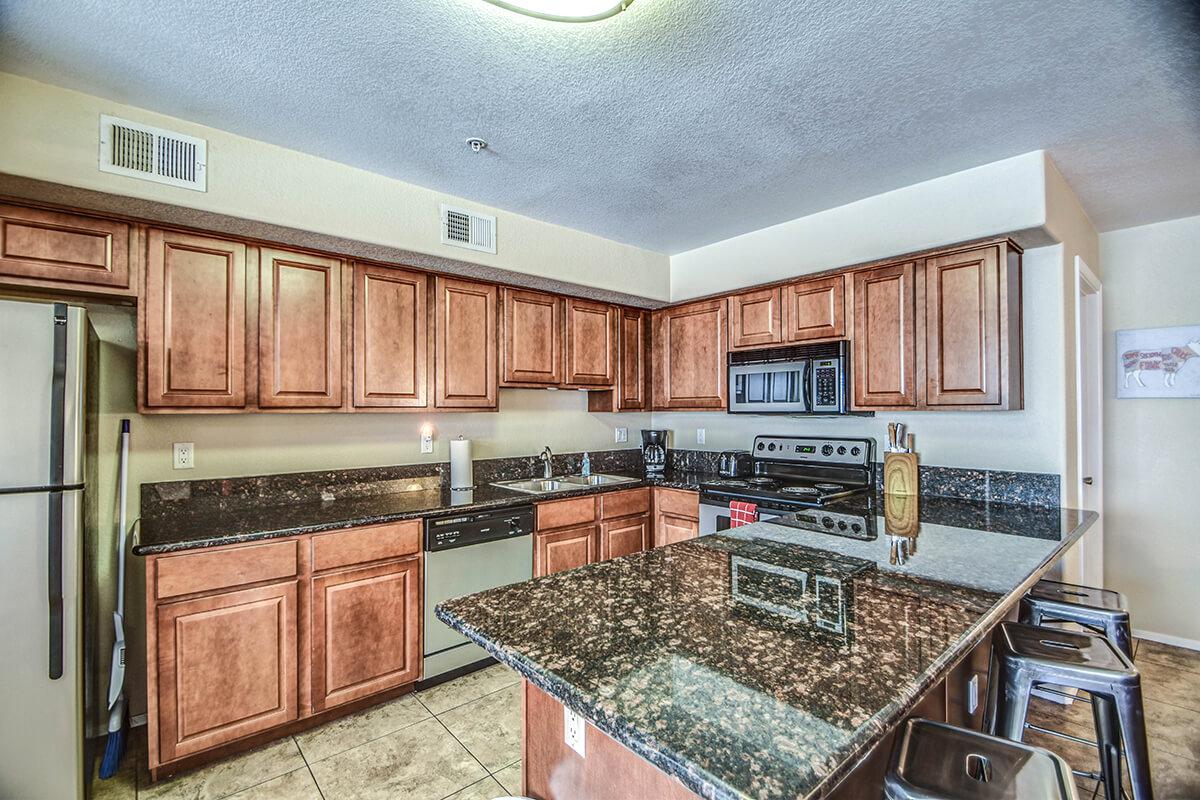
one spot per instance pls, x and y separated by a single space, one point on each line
699 435
426 440
622 435
184 455
973 694
574 729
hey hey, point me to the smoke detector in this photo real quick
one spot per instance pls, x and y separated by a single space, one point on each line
476 144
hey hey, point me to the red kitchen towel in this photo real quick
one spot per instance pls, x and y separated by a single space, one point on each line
742 513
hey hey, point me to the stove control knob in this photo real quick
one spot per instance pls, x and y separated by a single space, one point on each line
855 451
856 527
841 451
771 446
827 450
842 526
761 445
827 522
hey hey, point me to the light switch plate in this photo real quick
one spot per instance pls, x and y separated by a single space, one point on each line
622 435
699 435
184 455
574 729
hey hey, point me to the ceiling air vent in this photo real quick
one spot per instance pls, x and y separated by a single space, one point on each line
152 154
462 228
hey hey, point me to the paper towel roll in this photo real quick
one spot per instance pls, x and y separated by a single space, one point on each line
461 474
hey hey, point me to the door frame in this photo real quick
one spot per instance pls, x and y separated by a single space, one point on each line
1089 422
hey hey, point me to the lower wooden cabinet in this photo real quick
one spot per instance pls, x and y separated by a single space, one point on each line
676 516
561 550
246 641
583 530
226 667
621 537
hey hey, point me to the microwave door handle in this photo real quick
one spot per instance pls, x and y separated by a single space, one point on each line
808 390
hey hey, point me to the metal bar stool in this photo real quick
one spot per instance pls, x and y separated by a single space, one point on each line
935 761
1100 610
1026 656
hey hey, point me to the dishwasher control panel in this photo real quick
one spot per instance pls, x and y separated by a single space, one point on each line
477 527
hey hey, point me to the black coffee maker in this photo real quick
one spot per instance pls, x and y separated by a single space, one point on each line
654 451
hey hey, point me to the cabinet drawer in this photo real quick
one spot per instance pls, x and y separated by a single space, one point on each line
561 513
679 502
224 568
364 545
624 504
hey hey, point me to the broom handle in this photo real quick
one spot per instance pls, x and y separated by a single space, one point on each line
123 484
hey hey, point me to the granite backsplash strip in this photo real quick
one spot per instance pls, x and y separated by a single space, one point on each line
232 494
693 460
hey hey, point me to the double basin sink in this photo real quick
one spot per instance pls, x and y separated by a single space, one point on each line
565 483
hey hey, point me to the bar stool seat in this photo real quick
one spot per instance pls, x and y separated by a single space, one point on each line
1026 656
1100 610
935 761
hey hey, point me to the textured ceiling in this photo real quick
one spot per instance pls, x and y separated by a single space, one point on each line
676 123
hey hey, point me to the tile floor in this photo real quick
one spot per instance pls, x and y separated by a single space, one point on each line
461 741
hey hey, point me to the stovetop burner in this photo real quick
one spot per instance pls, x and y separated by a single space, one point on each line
801 490
829 487
731 482
761 481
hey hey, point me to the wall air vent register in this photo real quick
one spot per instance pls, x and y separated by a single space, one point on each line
152 154
463 228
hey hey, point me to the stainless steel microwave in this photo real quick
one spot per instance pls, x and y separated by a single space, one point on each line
803 379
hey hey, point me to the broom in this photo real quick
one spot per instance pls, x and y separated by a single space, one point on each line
114 749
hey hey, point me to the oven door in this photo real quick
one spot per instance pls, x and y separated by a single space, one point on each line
714 516
781 388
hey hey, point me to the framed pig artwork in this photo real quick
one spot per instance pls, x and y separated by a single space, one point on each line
1159 362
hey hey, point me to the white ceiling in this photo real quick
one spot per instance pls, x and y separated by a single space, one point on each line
676 123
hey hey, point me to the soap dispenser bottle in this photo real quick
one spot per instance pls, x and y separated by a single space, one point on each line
586 468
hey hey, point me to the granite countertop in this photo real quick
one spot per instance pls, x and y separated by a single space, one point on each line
202 523
764 662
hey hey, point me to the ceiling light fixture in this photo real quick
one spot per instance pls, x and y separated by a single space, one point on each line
565 10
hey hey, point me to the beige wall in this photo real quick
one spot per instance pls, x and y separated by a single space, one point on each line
52 134
1152 447
1028 440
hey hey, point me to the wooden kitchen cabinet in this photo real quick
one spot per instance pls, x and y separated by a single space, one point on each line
65 251
689 345
563 549
591 343
299 330
465 348
631 392
676 516
815 309
531 338
884 347
972 328
756 318
226 668
194 321
366 635
583 530
390 337
620 537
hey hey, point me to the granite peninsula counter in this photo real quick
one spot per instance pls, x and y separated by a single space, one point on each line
766 662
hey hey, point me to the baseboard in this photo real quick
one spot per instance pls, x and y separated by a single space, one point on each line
1162 638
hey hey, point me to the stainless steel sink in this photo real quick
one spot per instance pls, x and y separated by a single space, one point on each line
537 485
597 479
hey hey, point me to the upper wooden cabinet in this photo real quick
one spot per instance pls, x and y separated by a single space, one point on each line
631 361
194 310
299 330
391 341
465 344
884 350
531 338
815 309
689 370
57 250
591 343
756 318
972 328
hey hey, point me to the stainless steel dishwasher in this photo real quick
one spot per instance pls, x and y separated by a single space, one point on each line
464 554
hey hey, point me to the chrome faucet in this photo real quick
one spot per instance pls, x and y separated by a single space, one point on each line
546 455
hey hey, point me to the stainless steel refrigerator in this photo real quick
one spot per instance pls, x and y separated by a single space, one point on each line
42 364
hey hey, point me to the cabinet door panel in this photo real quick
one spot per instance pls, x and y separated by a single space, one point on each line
195 318
689 356
52 247
391 342
591 343
532 339
962 319
631 382
226 667
815 309
300 331
561 550
884 353
755 318
365 632
620 537
671 528
465 344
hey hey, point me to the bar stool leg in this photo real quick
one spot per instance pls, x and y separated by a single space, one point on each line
1108 741
1133 736
1028 615
1118 633
1013 706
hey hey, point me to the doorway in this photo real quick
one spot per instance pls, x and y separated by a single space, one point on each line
1089 381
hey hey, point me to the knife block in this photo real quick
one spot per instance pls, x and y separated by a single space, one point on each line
900 474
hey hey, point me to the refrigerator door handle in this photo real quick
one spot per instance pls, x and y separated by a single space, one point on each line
54 572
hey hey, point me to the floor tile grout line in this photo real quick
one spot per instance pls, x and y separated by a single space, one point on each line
468 702
308 766
474 757
365 741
